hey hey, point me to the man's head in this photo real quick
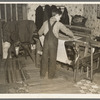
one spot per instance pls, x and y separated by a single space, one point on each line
57 13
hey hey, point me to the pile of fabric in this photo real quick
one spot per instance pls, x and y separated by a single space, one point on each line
18 30
15 31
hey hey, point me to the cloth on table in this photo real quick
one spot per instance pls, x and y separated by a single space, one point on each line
15 30
18 31
61 52
10 31
26 29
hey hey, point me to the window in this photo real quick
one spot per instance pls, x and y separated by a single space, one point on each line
12 12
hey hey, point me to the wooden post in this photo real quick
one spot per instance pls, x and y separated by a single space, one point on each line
16 13
11 11
1 52
91 63
0 37
24 9
5 13
0 11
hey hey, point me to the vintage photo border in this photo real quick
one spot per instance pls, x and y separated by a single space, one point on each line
49 96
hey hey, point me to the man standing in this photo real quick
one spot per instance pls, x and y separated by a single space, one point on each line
50 29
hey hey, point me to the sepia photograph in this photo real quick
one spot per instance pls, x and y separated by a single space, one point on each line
50 48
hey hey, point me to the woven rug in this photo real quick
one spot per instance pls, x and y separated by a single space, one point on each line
88 87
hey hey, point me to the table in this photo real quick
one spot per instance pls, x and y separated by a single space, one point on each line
93 44
61 52
86 42
89 43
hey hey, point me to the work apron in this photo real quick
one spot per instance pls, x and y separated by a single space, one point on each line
48 63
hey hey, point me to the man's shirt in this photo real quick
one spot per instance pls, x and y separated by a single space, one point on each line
58 26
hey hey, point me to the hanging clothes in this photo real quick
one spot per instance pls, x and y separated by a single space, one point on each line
53 7
39 17
65 17
47 13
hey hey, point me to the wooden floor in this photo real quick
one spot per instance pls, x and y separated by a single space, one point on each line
62 84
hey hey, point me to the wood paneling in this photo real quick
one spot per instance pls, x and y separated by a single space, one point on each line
0 42
13 12
2 11
8 12
20 12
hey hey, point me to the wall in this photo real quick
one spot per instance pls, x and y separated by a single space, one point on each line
87 10
73 9
90 12
31 11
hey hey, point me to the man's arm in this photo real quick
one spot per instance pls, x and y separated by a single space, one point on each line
66 30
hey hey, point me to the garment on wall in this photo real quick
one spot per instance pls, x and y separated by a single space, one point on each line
53 8
39 17
47 13
65 17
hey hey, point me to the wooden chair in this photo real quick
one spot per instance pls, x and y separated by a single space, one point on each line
84 62
10 63
72 50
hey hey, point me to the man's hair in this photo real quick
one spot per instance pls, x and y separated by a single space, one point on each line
56 11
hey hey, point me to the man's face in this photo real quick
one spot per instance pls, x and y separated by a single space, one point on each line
58 17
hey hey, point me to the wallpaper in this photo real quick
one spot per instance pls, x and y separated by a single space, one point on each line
90 12
73 9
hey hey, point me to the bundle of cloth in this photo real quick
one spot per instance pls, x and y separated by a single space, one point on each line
16 32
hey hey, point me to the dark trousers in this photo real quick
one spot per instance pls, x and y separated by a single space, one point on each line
49 58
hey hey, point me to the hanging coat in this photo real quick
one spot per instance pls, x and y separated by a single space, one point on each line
65 17
39 17
47 13
53 7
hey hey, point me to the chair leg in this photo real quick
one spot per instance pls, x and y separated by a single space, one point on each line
87 75
98 63
75 75
27 50
7 67
21 70
91 76
76 69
